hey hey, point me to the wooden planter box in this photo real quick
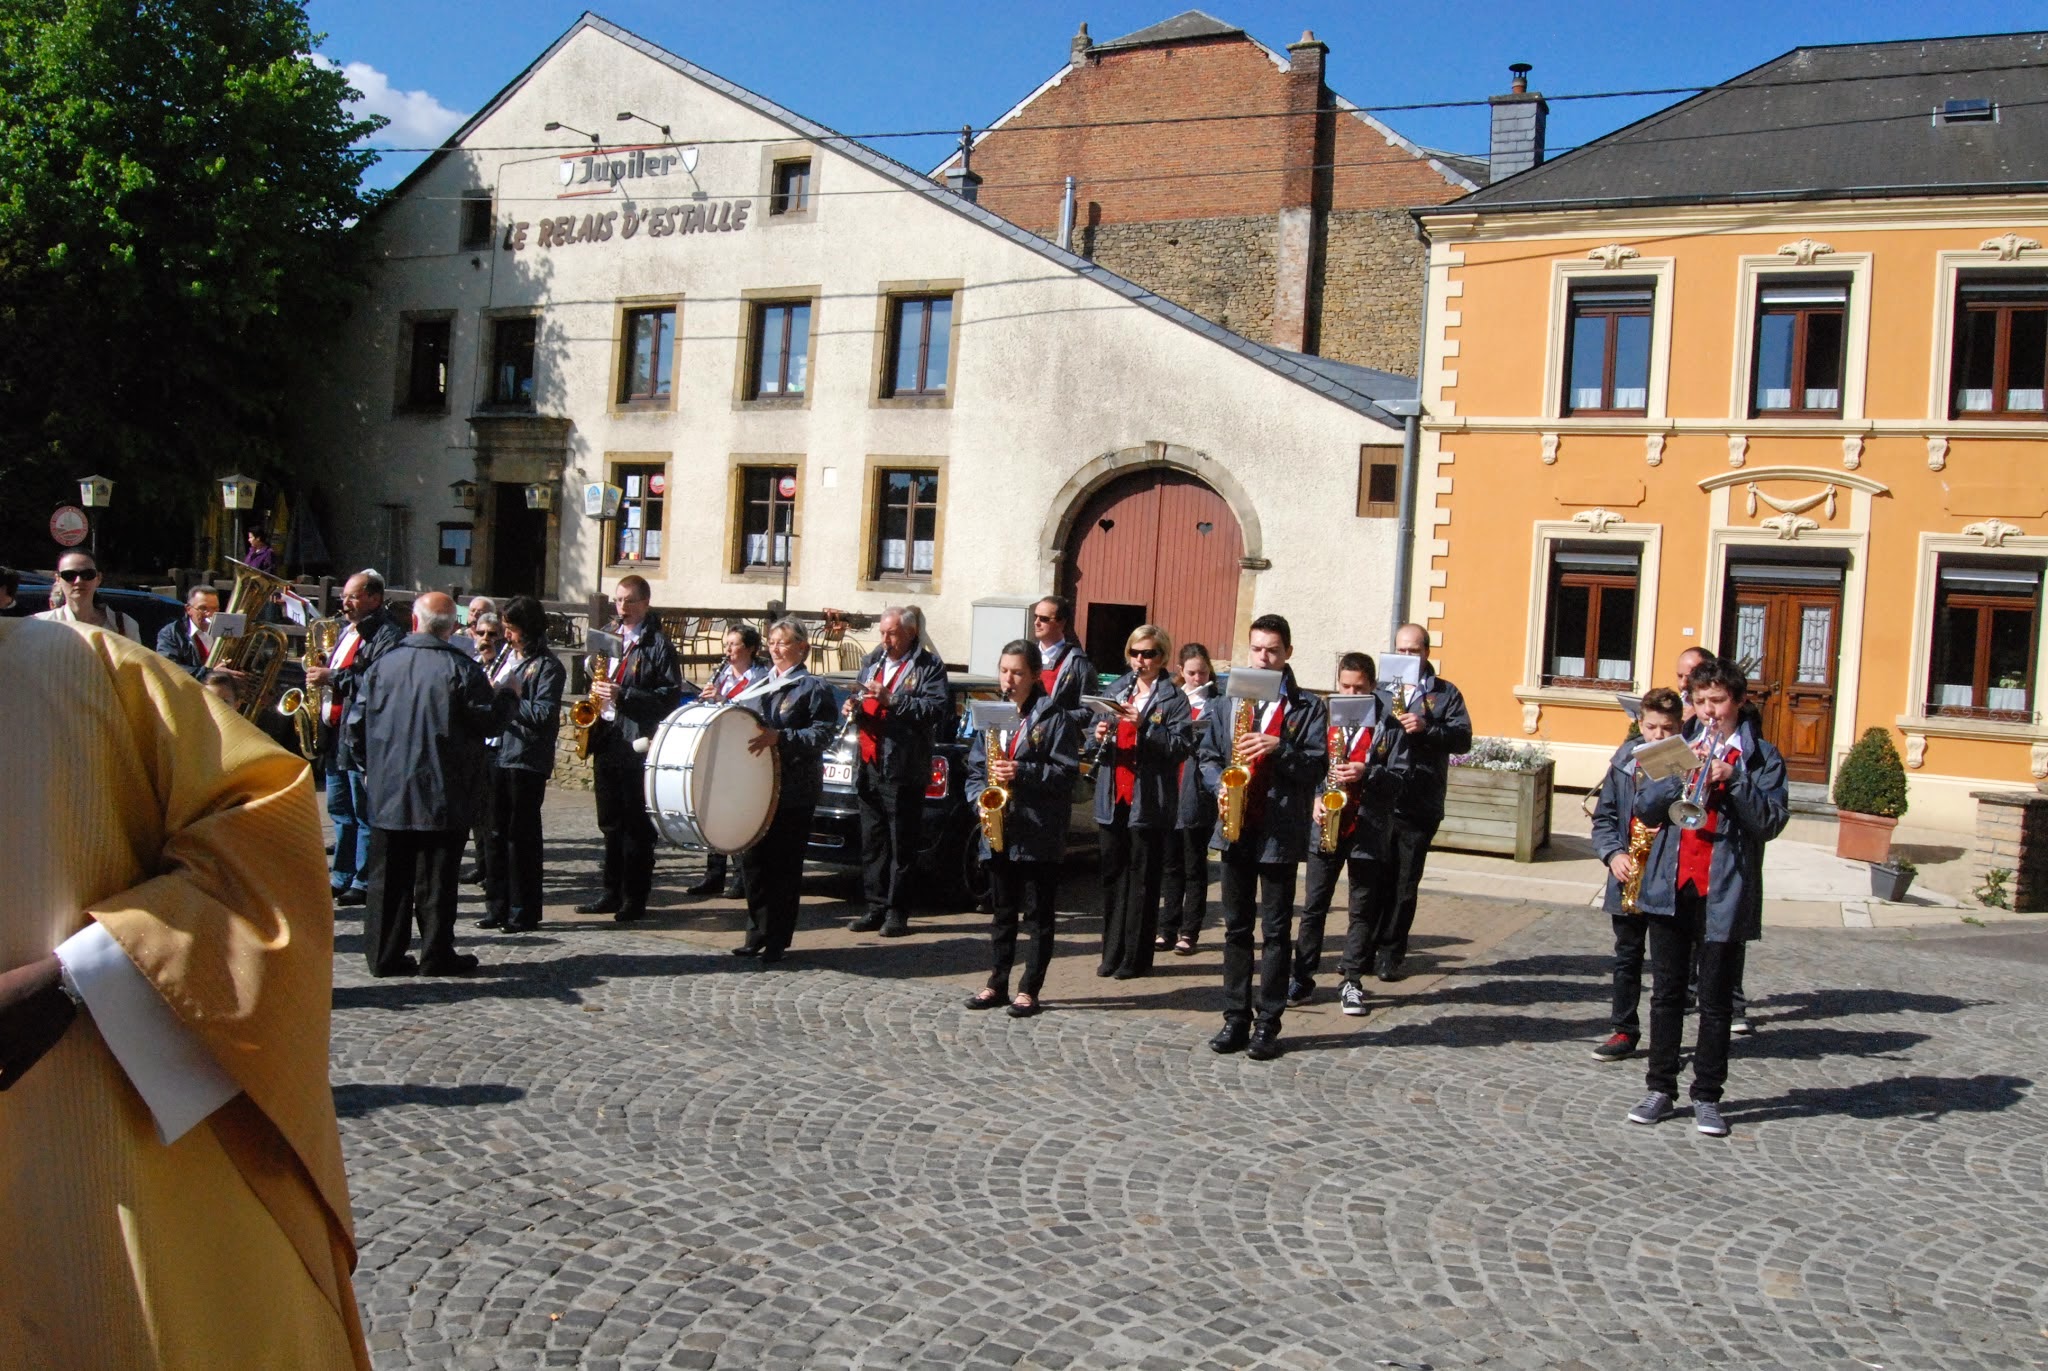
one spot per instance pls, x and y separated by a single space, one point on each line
1507 812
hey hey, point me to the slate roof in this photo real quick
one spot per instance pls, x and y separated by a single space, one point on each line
1183 26
1854 119
1289 365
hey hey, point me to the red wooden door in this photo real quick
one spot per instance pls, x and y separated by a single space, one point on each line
1788 638
1158 547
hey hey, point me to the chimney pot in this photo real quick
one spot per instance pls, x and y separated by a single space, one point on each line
1077 51
1520 70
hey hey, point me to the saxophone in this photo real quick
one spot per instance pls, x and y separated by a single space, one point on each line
1640 836
994 800
1383 745
583 715
1237 777
1330 808
304 707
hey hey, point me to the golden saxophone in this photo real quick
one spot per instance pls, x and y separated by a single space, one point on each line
1640 836
994 800
584 714
1231 794
304 707
1330 811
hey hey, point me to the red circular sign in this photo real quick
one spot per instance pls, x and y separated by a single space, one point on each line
69 525
657 485
786 487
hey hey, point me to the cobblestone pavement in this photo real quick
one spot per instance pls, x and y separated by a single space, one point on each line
619 1148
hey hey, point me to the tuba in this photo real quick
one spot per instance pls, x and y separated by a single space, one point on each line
1237 777
260 650
1330 805
994 800
304 707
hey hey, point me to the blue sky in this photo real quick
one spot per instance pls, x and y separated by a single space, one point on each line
876 67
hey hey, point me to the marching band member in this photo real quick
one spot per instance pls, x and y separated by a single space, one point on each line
644 688
1360 853
1750 721
1614 828
800 717
1284 746
370 632
1038 765
898 709
1433 727
744 667
184 640
1703 891
524 758
1185 885
1064 670
1137 800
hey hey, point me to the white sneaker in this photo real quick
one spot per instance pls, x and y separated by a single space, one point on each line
1353 1000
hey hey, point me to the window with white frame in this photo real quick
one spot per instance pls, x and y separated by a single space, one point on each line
1800 333
1589 616
2000 364
1986 622
1607 348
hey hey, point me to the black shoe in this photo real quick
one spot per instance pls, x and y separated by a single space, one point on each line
406 967
744 950
493 922
1232 1039
771 955
895 926
630 915
522 925
987 998
1300 993
473 876
1126 974
1265 1043
603 904
1388 967
866 923
705 887
461 964
351 896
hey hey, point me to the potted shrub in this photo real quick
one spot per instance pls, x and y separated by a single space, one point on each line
1870 795
1890 880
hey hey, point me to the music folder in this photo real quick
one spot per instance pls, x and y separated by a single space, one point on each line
1251 683
1102 706
1399 668
999 716
608 645
1353 711
1666 758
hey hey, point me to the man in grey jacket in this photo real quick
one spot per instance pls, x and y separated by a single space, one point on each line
426 708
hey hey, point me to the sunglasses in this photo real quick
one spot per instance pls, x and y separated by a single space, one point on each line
1147 653
1045 618
76 574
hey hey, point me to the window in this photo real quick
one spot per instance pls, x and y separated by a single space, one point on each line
1986 613
790 187
649 363
426 370
512 347
1799 352
1590 618
1379 483
767 516
644 491
1607 358
476 222
456 540
2001 352
781 352
920 336
906 531
395 543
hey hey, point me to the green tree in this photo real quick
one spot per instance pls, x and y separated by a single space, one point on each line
176 182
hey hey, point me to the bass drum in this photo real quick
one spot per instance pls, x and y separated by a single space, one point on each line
704 789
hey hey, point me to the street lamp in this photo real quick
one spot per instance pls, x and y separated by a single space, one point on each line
465 494
95 492
601 502
238 493
553 126
627 114
540 495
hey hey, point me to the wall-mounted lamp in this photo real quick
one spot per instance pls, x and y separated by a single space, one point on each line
627 114
465 494
540 495
553 126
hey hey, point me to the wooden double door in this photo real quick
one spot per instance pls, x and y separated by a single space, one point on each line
1155 546
1788 637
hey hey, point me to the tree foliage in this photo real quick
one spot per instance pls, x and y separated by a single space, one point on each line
176 181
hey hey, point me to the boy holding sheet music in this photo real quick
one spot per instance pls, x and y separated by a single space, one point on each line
1617 841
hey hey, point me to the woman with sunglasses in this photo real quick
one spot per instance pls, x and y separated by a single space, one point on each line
79 577
1186 887
1137 798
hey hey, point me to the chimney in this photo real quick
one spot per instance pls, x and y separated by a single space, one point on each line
1077 51
1518 121
966 182
1304 144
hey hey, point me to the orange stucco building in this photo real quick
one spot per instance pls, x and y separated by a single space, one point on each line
1766 373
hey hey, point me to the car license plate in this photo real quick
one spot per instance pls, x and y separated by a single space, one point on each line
839 773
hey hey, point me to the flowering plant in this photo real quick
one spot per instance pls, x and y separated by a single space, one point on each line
1498 754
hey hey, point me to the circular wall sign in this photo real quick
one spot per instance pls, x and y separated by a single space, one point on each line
657 484
786 487
69 525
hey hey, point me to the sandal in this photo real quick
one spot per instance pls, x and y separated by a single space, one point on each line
1161 943
984 998
1184 948
1024 1006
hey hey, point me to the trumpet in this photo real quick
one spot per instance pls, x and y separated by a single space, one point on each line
1640 836
1330 811
1689 811
1236 780
304 707
994 800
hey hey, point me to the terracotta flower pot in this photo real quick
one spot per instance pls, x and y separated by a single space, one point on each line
1863 837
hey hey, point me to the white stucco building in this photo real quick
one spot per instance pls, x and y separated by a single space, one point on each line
784 346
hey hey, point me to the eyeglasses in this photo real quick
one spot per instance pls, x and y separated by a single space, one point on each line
1045 618
1147 653
76 574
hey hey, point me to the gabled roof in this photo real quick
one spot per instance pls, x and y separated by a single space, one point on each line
1853 119
1195 24
1346 392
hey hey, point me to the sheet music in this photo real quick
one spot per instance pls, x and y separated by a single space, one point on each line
608 645
1399 668
1252 683
1354 711
1666 758
999 715
1102 706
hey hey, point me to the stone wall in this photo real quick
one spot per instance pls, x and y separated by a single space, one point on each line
571 773
1222 269
1371 307
2012 835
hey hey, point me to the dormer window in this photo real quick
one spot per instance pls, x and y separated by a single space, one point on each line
1967 111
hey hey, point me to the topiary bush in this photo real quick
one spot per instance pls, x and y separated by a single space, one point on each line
1872 779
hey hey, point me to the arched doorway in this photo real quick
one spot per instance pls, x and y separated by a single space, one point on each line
1153 546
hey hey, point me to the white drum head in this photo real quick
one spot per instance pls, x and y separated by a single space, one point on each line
704 788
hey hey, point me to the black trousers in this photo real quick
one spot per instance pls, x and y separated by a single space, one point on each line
1364 902
413 876
1262 894
1020 890
486 824
1131 862
773 870
1631 933
628 832
1674 944
891 817
1184 884
1407 849
512 874
715 871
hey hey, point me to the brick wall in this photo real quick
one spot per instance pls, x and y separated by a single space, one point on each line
2012 834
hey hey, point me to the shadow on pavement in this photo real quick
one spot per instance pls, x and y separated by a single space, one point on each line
1812 1044
1837 1004
354 1101
554 980
1926 1098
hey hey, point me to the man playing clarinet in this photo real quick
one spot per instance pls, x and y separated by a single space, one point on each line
900 704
